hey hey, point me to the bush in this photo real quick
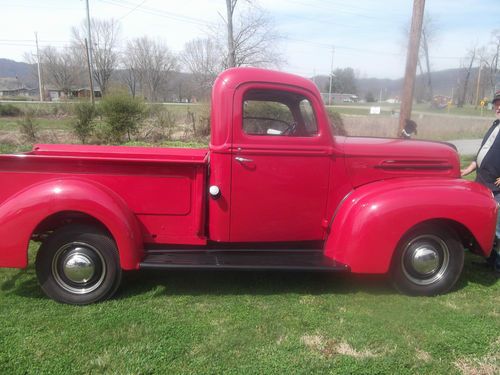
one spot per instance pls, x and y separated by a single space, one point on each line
164 122
83 127
336 123
29 127
122 115
369 97
200 121
9 110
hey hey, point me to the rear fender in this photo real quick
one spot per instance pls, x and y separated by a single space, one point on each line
371 221
21 214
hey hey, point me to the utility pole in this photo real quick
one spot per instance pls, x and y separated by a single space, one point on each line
411 63
230 5
89 53
90 73
40 86
331 79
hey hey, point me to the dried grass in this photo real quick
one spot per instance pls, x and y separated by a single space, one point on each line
330 348
432 127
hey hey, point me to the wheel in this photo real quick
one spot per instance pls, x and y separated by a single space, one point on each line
428 261
78 264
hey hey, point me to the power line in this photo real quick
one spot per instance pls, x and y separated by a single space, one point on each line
335 10
160 13
132 10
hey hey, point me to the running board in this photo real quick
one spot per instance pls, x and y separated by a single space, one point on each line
241 260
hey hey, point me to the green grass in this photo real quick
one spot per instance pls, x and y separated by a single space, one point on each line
11 123
250 322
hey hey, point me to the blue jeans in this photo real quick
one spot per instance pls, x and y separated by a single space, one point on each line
497 198
494 258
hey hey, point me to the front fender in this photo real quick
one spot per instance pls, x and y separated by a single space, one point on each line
371 221
21 213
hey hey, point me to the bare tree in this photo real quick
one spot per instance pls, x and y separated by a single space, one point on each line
429 34
429 31
202 58
61 68
494 63
469 63
104 49
131 73
153 62
251 37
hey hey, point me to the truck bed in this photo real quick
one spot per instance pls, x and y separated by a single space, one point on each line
163 187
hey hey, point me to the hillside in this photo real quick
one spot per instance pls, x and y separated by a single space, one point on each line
24 71
443 81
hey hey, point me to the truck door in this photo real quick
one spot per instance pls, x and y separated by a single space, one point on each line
280 165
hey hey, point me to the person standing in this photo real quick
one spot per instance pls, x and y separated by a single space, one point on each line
487 164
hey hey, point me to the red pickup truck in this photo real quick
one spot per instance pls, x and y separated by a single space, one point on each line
274 190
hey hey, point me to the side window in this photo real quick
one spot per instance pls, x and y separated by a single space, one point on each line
307 113
278 113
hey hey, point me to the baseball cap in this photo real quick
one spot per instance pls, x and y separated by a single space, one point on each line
496 97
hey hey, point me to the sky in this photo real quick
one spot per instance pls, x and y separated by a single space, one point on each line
366 35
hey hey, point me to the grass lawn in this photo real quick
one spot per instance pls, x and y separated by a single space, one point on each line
252 322
12 123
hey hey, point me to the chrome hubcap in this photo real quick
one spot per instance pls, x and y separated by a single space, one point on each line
78 268
425 259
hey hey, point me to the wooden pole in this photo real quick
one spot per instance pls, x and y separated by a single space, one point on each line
230 4
411 63
40 81
90 73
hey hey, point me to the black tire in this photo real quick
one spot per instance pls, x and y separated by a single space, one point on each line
78 264
428 261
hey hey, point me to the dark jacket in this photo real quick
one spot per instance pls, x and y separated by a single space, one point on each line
490 166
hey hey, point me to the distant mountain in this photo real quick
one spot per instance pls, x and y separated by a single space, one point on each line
23 71
443 81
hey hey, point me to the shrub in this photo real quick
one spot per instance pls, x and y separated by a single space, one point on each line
9 110
336 123
200 121
83 126
369 97
164 122
28 127
122 115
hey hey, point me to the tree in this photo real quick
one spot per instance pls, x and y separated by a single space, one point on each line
429 31
60 68
494 65
369 97
152 62
344 81
251 37
202 58
104 49
429 34
131 72
468 62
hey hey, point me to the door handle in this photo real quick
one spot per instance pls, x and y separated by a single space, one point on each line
242 160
